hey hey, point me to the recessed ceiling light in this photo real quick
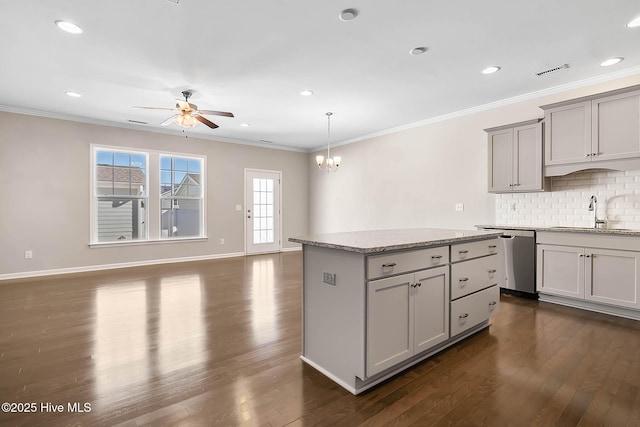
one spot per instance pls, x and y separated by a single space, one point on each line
490 70
635 23
245 125
306 93
611 61
69 27
73 94
417 51
348 14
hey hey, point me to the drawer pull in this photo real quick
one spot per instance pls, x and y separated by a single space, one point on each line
493 270
464 251
464 279
463 316
492 246
390 265
492 303
436 257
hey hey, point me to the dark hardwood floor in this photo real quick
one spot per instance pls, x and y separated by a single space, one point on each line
217 343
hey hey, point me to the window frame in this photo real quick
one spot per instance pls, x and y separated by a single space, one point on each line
201 198
153 234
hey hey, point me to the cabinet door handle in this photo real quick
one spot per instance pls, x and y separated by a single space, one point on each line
492 303
581 255
464 251
390 265
463 279
463 316
589 155
493 270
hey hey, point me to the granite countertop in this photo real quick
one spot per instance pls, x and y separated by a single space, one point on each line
374 241
566 229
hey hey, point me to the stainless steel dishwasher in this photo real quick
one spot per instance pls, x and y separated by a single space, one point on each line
519 248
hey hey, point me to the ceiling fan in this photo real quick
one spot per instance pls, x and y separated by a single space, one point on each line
188 115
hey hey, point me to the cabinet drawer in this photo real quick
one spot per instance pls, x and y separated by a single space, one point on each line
473 309
401 262
464 251
471 276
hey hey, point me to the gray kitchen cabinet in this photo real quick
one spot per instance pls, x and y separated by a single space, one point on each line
600 131
406 315
472 309
560 270
611 277
476 269
515 157
597 275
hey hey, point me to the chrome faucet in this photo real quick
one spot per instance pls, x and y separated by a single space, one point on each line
593 207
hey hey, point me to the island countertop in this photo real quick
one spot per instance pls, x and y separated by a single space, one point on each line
374 241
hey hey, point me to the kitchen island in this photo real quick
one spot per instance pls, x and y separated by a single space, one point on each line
378 302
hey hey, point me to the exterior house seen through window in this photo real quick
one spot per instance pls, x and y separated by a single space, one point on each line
181 197
120 188
126 208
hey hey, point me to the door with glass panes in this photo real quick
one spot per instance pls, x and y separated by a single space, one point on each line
262 211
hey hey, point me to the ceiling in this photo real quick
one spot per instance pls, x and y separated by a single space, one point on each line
253 57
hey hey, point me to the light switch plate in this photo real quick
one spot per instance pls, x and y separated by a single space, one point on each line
459 207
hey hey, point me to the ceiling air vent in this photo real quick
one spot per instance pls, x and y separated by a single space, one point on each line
552 70
266 141
137 122
174 1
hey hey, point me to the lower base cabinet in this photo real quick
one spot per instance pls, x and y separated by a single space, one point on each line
473 309
599 275
406 315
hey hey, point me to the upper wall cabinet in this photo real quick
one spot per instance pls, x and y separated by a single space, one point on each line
600 131
515 157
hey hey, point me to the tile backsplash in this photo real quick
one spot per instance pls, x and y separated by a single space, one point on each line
567 200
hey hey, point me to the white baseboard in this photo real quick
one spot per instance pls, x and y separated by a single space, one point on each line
39 273
295 249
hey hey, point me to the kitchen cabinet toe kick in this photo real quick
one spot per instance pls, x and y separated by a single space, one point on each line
356 385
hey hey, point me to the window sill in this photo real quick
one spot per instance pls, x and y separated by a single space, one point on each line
146 242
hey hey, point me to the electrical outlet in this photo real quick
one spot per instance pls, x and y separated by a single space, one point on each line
513 207
238 207
329 279
28 254
222 241
459 207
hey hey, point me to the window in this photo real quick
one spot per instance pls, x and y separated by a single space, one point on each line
181 197
146 196
263 211
120 196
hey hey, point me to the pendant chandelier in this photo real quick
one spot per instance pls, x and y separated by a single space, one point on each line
330 164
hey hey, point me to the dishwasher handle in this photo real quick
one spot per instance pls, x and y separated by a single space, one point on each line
507 237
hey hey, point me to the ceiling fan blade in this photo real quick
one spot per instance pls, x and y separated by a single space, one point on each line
217 113
169 120
205 121
156 108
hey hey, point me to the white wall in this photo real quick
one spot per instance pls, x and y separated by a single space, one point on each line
414 178
45 197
